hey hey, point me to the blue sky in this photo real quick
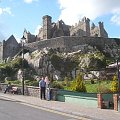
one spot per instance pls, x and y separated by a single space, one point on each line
15 15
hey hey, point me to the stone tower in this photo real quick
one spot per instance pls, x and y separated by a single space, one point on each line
46 27
86 26
101 29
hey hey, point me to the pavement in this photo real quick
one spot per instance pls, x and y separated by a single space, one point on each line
77 111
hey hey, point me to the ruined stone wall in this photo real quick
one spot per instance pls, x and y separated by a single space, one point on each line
51 43
71 42
95 32
31 38
67 43
75 41
78 28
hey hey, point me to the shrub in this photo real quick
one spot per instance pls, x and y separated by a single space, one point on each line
66 81
78 84
32 83
16 82
114 86
56 85
103 89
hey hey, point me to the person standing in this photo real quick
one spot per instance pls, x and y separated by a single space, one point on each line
42 85
47 88
47 82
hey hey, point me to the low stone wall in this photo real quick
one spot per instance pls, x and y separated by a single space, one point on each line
3 86
31 91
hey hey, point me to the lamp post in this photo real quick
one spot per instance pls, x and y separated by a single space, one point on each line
22 41
118 76
118 72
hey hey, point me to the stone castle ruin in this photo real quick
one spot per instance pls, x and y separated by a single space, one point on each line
53 30
59 35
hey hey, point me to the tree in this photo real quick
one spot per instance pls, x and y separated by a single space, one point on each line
114 86
79 85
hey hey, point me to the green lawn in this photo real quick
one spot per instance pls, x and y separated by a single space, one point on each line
103 86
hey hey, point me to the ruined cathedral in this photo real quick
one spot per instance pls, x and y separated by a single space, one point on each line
59 35
52 30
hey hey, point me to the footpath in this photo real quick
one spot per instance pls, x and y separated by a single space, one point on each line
84 113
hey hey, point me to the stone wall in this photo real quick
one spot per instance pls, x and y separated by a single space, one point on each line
51 43
31 91
67 43
28 90
11 47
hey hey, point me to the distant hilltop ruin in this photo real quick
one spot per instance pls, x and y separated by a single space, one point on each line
59 35
52 30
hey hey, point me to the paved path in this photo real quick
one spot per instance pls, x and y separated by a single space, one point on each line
83 112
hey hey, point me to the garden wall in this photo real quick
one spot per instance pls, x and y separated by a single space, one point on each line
83 99
30 91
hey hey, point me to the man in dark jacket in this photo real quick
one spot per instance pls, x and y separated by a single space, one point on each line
42 86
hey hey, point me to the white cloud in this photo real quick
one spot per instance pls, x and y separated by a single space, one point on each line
116 17
37 29
5 10
3 31
30 1
73 10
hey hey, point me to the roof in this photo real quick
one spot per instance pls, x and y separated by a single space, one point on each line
113 65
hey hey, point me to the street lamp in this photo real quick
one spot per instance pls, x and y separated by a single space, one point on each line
118 72
22 41
118 76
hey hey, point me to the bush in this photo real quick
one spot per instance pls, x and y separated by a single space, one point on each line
66 81
114 86
32 83
11 68
103 89
16 82
78 84
56 85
